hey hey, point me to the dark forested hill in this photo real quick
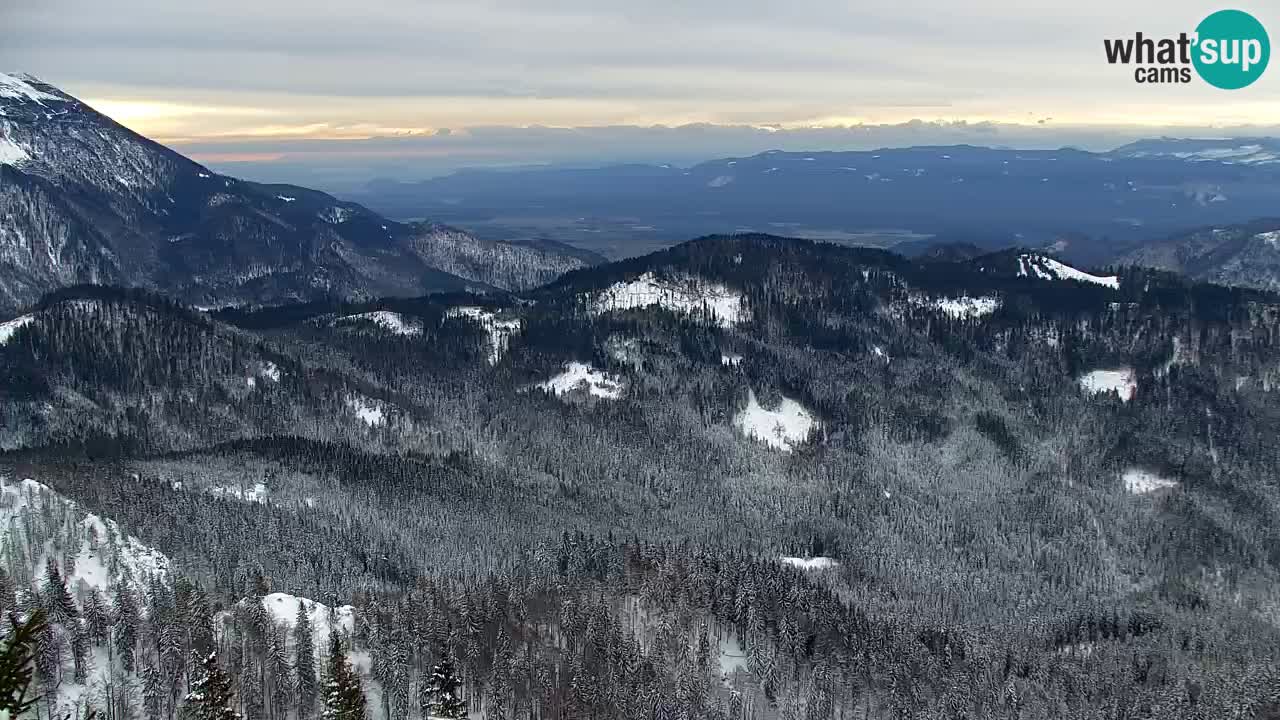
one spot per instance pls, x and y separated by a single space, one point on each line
745 477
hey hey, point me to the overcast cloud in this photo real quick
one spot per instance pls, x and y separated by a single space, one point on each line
285 84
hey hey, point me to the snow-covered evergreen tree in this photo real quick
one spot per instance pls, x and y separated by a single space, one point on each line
442 692
343 697
210 696
304 661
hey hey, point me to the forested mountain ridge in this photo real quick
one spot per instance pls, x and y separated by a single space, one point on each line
1039 497
84 199
1246 254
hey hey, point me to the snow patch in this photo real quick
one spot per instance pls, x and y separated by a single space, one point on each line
578 375
730 359
335 215
500 331
286 198
368 410
811 563
720 181
782 428
392 322
713 301
1049 269
963 307
8 328
11 153
1122 382
1272 238
258 493
1142 482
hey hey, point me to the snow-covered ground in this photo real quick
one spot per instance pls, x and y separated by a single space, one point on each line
11 154
13 86
811 563
392 322
500 330
7 329
964 307
730 359
283 608
1047 268
1123 382
781 428
692 296
1141 482
105 554
257 493
367 409
578 375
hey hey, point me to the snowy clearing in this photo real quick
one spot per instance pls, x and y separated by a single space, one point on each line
1047 268
500 331
730 360
964 307
579 375
7 329
367 409
1141 482
692 296
392 322
782 428
811 563
1123 382
258 493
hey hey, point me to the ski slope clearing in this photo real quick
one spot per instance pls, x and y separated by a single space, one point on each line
782 428
500 331
1046 268
1123 382
691 296
963 308
368 410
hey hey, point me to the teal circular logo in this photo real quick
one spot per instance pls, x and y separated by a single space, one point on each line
1232 49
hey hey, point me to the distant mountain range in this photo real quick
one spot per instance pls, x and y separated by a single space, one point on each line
1101 203
84 199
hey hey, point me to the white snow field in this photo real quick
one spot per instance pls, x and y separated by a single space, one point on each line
1122 382
714 302
1142 482
811 563
11 153
578 375
392 322
781 428
1047 268
367 409
500 331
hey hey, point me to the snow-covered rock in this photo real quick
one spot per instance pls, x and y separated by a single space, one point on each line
11 153
1142 482
692 296
581 376
781 428
500 330
1122 382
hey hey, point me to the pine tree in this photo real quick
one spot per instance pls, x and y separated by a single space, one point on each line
304 661
343 697
59 604
442 692
210 696
128 618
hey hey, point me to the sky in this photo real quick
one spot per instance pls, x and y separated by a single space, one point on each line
405 88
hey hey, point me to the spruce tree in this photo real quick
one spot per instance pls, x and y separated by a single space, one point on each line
343 697
442 692
304 661
210 696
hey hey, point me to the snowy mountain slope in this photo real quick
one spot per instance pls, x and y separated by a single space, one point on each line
1038 266
86 200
